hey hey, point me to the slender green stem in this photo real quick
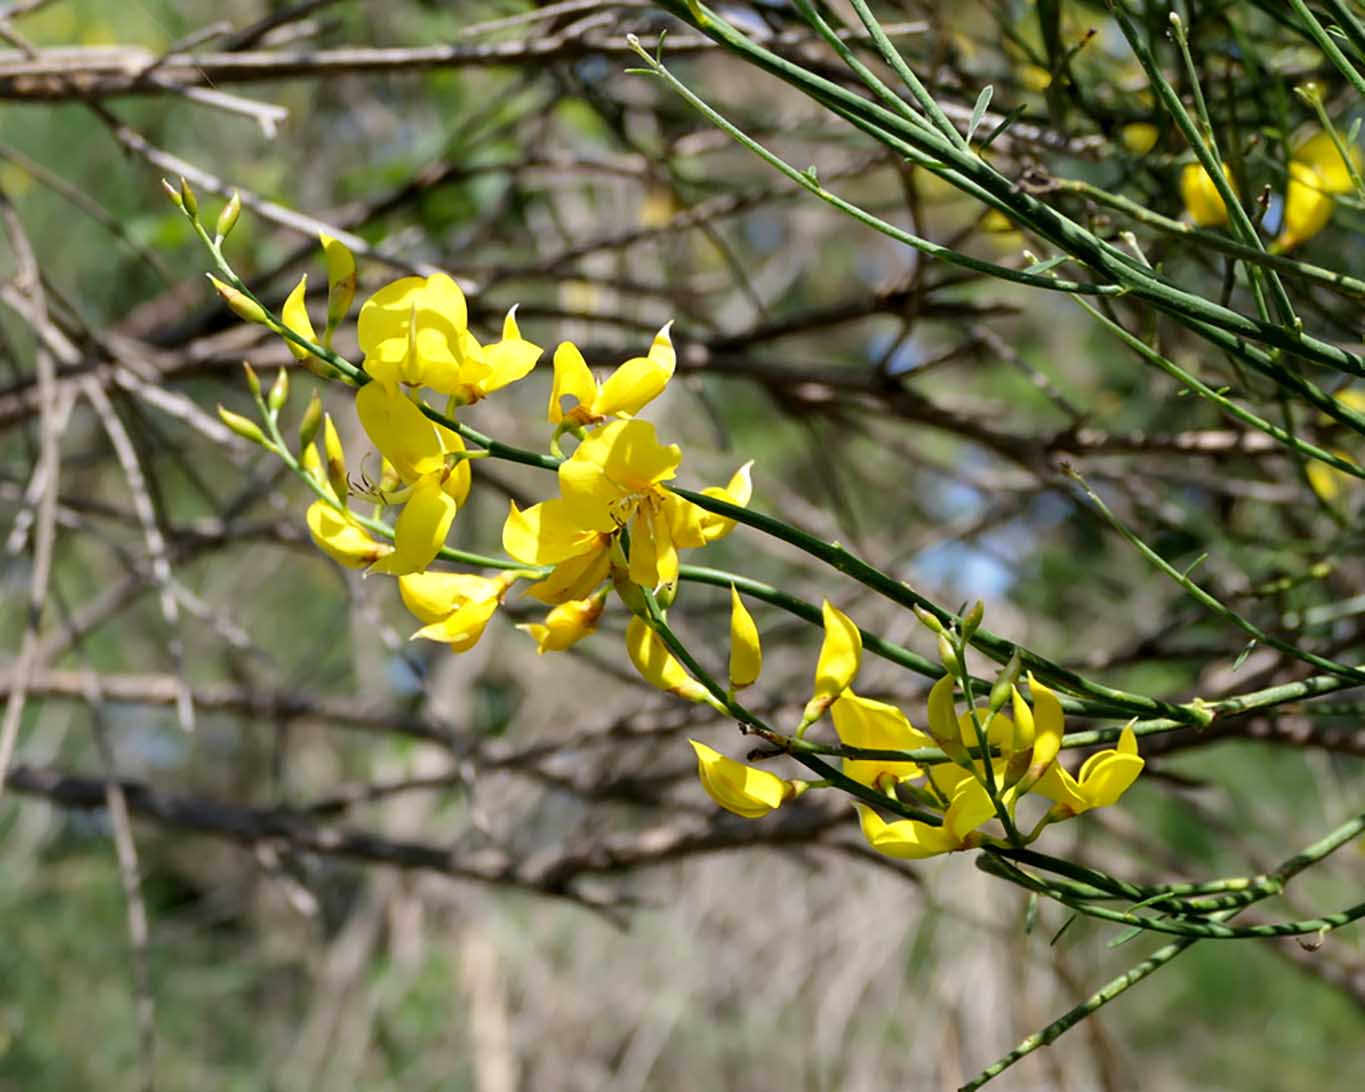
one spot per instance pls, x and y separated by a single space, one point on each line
1210 602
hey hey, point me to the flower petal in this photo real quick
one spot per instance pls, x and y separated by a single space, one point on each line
864 722
746 653
294 315
433 596
462 629
400 431
421 528
656 664
345 542
638 381
840 656
748 792
572 379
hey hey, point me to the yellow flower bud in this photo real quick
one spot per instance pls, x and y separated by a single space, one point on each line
227 219
336 458
246 429
746 654
242 305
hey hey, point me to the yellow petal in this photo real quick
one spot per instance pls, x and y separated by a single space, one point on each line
417 325
509 359
341 279
906 839
576 577
462 629
433 596
864 722
567 624
736 787
656 664
971 806
1109 778
1307 206
746 654
943 724
1047 716
421 528
638 381
573 380
841 653
1202 200
345 542
626 454
400 431
1320 153
738 492
546 534
294 314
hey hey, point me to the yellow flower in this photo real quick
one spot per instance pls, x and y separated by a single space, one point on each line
1307 207
1103 778
415 331
1139 138
746 654
911 839
625 392
657 665
455 606
863 722
748 792
567 624
341 538
425 456
1202 199
613 482
1320 153
841 652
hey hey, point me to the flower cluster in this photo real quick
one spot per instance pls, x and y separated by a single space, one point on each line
993 758
617 524
614 523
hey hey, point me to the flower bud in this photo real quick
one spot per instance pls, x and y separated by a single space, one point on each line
189 202
243 427
1004 682
336 458
242 305
227 219
279 391
253 381
312 421
972 622
947 654
929 620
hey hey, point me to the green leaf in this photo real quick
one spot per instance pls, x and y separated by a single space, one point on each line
983 102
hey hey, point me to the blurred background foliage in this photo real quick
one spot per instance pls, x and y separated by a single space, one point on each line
914 412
